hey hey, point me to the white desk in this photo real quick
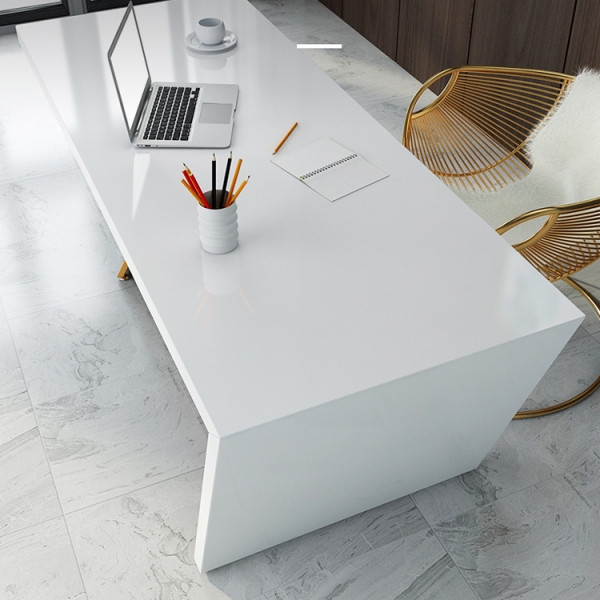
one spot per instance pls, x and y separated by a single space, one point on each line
346 353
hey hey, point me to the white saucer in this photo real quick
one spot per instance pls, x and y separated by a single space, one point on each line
230 40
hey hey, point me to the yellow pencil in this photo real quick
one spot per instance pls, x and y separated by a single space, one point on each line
235 176
287 135
239 190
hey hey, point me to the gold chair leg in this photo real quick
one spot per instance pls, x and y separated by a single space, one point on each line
124 273
542 412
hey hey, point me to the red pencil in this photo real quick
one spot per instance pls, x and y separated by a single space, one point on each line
195 186
192 188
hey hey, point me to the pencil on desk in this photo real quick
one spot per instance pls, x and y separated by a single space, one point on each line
214 183
234 198
235 176
287 135
224 188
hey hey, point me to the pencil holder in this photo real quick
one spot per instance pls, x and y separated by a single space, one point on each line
218 228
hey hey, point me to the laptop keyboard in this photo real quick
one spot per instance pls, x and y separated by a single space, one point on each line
172 113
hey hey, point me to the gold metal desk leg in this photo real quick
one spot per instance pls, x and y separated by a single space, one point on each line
124 273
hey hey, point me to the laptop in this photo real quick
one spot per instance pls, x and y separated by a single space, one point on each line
167 115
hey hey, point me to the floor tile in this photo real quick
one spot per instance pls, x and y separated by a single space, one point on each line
572 436
579 333
121 436
590 276
417 568
16 413
8 355
54 245
516 461
27 492
390 113
245 579
32 142
414 568
538 544
333 547
37 563
141 545
576 367
86 344
586 480
323 586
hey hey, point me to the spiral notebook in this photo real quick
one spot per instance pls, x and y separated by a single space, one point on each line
330 169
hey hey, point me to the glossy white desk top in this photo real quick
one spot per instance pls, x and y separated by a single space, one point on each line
321 299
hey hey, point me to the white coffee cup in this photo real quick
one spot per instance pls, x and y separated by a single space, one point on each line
210 32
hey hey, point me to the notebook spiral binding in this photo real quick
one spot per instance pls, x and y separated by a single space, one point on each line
329 166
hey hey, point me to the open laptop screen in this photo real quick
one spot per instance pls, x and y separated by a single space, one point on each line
129 68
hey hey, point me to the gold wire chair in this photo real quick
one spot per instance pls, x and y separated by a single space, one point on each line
568 241
473 136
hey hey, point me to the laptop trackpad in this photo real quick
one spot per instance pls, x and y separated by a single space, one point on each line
215 113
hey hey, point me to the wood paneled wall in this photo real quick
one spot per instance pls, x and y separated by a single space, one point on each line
521 33
377 20
426 36
433 33
584 46
334 5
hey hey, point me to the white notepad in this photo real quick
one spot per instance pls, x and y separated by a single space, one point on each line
330 169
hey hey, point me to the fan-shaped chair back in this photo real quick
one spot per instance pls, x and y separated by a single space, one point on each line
568 241
474 134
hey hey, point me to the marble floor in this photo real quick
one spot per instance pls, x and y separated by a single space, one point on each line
102 449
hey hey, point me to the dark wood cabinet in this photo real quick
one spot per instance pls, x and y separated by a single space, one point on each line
433 35
584 46
521 33
427 36
377 20
334 6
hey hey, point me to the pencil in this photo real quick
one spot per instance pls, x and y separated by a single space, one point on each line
191 179
287 135
224 188
214 182
190 183
239 190
191 190
235 176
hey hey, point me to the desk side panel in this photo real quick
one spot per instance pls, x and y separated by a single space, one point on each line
285 478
